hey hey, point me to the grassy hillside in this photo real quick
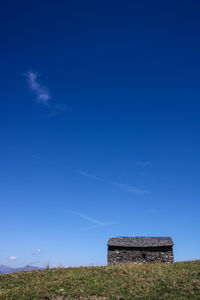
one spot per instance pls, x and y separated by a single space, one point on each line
149 281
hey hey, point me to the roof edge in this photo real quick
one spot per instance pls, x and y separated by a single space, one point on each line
140 241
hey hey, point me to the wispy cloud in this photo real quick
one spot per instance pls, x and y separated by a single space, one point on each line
89 175
131 189
12 258
143 163
122 186
42 92
34 262
37 251
59 108
91 220
151 211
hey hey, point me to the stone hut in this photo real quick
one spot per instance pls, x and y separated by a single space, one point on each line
140 250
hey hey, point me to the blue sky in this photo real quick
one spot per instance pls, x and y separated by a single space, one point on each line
100 128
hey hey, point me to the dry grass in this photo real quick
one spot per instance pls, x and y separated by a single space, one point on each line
148 281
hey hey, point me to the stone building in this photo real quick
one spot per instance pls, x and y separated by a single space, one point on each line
140 250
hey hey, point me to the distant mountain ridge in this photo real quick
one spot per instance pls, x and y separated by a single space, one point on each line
5 269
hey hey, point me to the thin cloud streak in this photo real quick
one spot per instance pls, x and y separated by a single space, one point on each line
94 221
34 262
152 211
143 163
125 187
131 189
42 92
58 109
89 175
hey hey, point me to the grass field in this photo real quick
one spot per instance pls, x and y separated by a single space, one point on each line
149 281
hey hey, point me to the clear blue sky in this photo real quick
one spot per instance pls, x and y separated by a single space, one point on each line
100 105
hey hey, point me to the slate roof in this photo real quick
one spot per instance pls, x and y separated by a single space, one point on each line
140 241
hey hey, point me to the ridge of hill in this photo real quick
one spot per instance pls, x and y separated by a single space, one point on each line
6 270
180 280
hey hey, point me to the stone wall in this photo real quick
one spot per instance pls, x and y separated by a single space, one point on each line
120 255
